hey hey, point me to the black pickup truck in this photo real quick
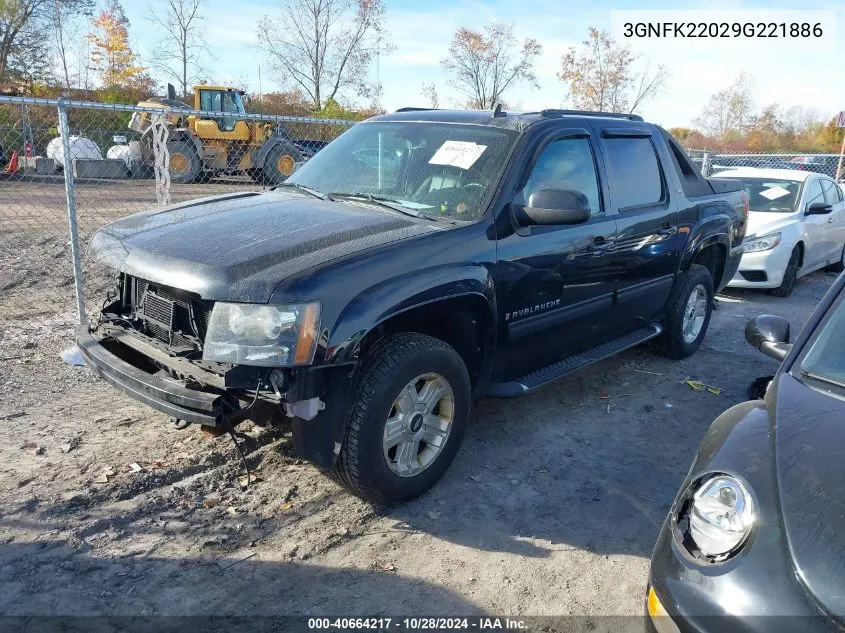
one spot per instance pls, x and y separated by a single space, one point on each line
423 259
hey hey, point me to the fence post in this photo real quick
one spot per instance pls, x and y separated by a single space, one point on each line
705 164
64 132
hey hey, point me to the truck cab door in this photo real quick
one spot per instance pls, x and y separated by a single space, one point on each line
648 241
554 283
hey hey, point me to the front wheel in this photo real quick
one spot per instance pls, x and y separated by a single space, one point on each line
407 420
790 276
689 313
185 164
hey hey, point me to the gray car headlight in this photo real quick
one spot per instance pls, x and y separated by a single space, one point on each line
765 243
264 335
722 515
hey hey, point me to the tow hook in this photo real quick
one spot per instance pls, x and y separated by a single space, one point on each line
180 424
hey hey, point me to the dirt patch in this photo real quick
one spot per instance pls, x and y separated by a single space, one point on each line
551 507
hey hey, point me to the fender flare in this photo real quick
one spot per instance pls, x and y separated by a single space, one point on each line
364 313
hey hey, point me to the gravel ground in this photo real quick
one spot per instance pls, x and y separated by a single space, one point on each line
551 507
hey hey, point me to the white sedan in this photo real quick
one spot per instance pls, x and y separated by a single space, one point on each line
796 225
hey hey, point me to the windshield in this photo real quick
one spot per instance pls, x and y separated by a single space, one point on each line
432 169
825 360
772 195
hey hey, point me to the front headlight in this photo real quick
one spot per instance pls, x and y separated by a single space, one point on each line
264 335
721 516
765 243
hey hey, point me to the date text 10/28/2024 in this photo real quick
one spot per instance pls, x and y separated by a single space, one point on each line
417 624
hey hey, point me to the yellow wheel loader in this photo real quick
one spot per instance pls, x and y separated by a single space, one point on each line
201 148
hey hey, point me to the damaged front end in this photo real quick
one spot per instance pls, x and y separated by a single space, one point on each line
150 341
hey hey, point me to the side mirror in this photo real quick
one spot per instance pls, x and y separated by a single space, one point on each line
770 335
553 207
819 208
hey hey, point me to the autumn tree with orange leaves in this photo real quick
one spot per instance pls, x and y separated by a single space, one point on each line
486 63
112 56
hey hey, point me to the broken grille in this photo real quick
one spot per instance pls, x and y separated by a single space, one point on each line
175 317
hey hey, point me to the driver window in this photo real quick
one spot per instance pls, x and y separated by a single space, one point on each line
566 164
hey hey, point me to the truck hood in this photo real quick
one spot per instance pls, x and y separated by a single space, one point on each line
239 247
810 466
763 222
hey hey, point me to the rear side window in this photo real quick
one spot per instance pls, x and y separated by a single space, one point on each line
635 179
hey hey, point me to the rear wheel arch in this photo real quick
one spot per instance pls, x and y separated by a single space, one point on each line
713 256
800 246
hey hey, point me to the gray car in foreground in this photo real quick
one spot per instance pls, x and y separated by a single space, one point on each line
755 538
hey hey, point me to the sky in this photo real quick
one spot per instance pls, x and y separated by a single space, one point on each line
803 73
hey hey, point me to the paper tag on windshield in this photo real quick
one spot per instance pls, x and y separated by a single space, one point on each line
774 193
462 154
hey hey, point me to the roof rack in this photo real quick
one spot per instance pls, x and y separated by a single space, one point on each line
555 113
412 109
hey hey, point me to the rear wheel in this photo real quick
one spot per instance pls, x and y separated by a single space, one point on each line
184 161
279 164
689 313
408 417
790 276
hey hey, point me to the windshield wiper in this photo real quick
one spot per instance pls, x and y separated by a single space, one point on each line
829 381
382 201
304 189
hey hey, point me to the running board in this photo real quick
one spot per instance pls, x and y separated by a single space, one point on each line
536 379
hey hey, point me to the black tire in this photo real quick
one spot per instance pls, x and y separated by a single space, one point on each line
278 164
790 276
757 389
392 363
185 164
671 343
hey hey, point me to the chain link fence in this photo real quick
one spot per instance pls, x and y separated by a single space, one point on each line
711 162
67 168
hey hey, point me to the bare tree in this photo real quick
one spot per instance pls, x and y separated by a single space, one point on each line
729 110
429 91
180 50
607 76
323 47
17 20
486 63
63 16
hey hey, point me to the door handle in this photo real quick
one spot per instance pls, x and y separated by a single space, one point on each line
830 220
667 230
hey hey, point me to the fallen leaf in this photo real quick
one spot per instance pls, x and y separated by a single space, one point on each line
700 386
31 444
342 531
287 506
102 478
542 470
108 471
211 500
475 477
66 448
433 515
387 567
232 510
158 464
136 468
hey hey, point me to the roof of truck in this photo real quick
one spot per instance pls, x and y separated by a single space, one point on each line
496 118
